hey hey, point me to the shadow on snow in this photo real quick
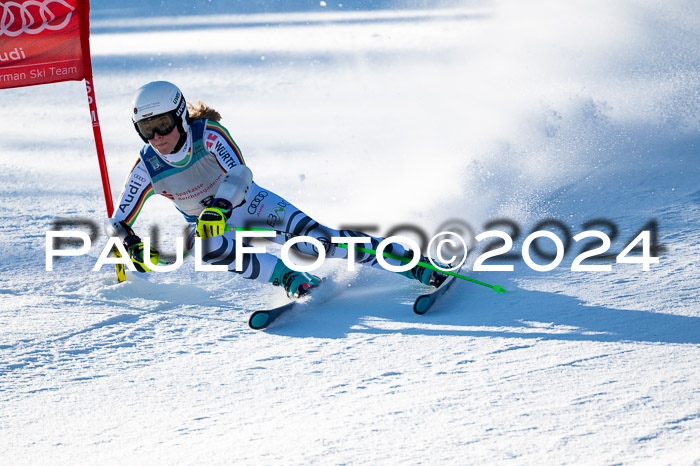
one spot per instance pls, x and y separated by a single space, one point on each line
473 312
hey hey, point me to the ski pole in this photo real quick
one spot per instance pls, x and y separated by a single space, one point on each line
496 288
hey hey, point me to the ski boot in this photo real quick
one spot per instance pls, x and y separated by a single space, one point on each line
296 284
426 276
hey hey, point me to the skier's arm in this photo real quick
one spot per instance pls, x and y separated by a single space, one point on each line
137 189
229 195
236 183
238 176
222 146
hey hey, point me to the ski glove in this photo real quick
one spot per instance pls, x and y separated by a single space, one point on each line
212 220
134 247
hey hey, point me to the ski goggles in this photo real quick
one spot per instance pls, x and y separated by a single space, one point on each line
161 124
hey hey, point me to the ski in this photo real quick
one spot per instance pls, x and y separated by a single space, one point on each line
261 319
425 301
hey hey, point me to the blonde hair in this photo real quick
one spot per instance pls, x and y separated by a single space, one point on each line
199 111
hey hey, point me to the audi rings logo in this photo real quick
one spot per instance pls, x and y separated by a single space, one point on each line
33 16
253 207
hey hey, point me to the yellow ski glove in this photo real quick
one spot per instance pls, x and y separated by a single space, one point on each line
211 222
136 255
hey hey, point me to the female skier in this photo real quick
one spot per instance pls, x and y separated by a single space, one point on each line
192 160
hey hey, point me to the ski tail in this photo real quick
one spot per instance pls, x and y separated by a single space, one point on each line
261 319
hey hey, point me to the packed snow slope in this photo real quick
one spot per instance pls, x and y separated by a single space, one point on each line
468 117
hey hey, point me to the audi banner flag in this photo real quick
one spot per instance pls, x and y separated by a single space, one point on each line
47 41
44 41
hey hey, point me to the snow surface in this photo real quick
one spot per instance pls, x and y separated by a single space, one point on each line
523 110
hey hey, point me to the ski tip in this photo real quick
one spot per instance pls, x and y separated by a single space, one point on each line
258 320
421 305
498 289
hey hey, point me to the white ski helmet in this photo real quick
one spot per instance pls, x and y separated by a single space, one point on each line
160 98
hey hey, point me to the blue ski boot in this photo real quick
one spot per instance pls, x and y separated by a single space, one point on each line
296 284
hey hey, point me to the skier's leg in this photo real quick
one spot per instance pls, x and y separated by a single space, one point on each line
265 209
263 267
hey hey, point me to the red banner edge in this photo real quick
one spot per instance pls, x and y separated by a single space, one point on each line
84 16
